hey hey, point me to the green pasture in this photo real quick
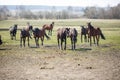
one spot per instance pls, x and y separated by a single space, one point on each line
110 28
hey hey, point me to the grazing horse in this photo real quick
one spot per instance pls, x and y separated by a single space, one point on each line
39 33
25 33
0 40
95 32
84 31
73 36
13 31
62 33
49 27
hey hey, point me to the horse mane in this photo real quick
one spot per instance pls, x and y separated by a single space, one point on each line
90 26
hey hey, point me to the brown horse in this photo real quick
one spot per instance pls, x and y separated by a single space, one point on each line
95 32
73 36
84 31
49 27
62 33
25 33
0 40
39 33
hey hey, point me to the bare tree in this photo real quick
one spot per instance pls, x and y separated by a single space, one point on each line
4 13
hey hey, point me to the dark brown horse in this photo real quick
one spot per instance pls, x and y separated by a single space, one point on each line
95 33
0 40
13 31
39 33
25 33
84 31
73 36
62 35
49 28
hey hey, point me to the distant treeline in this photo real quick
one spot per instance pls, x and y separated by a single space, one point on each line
89 12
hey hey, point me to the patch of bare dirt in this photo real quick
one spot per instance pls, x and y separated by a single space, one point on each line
50 63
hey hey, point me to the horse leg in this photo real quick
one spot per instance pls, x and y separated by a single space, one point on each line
81 38
97 38
88 37
38 42
28 42
11 35
90 41
51 32
85 38
71 43
20 41
24 39
65 45
58 43
74 44
15 36
61 44
42 41
94 39
35 41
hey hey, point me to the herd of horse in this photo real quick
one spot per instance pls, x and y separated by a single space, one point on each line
62 34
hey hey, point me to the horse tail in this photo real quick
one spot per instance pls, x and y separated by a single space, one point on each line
101 34
47 36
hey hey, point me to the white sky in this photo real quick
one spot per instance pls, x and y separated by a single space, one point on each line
100 3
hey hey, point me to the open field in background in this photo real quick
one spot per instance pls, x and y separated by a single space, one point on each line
50 63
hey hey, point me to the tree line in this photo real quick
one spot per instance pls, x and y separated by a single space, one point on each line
89 12
103 13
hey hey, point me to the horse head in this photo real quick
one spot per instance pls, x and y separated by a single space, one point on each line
15 26
67 30
89 25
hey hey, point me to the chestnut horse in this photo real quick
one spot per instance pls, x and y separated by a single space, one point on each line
39 33
13 31
95 32
49 28
84 31
73 36
62 33
25 34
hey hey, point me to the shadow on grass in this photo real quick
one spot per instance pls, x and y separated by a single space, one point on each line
4 49
33 47
82 49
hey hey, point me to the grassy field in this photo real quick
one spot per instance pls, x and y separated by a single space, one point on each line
110 28
49 63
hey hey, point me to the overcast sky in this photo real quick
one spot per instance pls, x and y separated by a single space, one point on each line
99 3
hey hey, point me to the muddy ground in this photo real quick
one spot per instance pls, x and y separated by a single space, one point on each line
50 63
